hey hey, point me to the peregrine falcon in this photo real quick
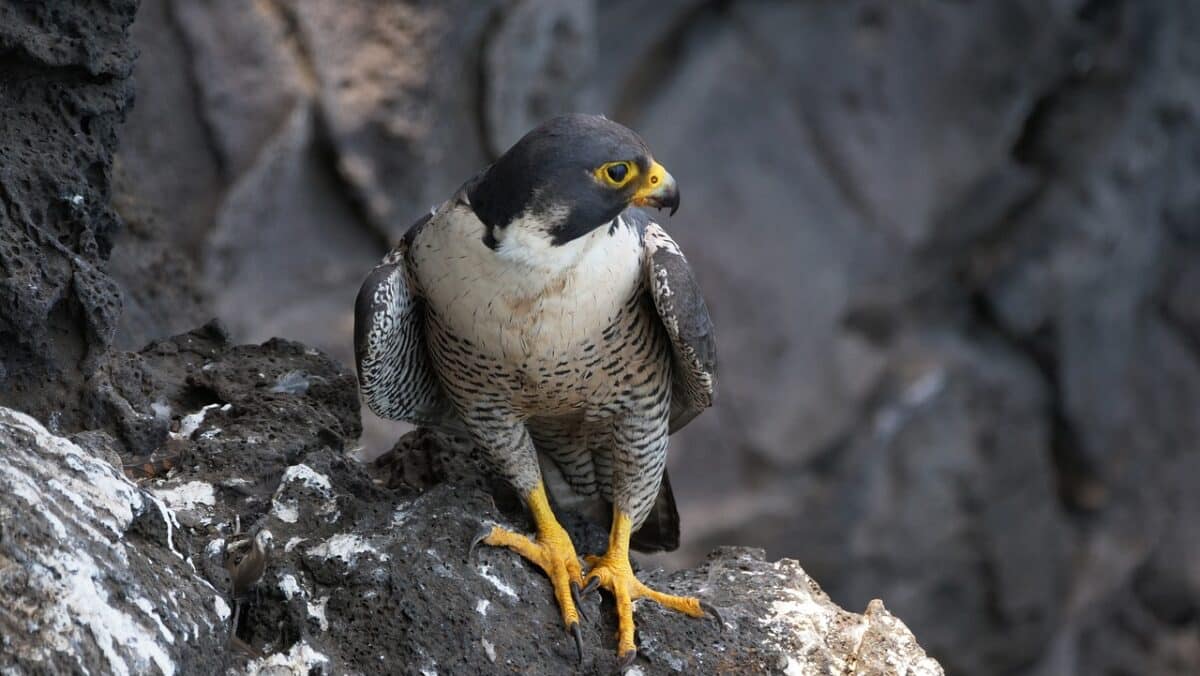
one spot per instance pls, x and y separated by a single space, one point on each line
541 311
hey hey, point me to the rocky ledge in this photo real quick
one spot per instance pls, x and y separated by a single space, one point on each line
223 525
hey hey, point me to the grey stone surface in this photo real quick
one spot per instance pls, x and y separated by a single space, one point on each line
1013 180
266 549
92 576
538 61
149 251
247 74
874 193
166 159
285 226
64 84
397 86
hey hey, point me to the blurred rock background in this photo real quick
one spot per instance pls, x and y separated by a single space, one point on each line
952 250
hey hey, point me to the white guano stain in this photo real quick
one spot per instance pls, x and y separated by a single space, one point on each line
222 608
485 571
148 608
97 505
308 475
347 547
161 410
215 547
316 611
172 523
300 659
87 603
287 512
189 423
400 517
286 507
193 496
289 587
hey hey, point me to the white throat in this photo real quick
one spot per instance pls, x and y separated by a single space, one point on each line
526 296
524 242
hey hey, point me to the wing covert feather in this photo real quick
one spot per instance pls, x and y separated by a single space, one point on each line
685 316
395 374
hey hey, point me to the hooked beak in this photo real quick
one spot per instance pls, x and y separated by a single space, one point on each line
658 190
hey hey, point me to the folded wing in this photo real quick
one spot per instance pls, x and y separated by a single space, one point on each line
684 314
395 375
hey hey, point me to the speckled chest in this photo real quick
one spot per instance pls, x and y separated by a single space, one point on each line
545 332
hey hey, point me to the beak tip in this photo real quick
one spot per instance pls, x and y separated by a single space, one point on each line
660 191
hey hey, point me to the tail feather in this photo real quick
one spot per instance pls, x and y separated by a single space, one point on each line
660 531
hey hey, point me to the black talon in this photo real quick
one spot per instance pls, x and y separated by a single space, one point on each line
625 661
578 634
712 610
575 596
487 530
590 587
237 612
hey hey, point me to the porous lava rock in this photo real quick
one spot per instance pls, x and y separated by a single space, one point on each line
254 540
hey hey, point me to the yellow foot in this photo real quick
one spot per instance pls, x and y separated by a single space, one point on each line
553 552
616 575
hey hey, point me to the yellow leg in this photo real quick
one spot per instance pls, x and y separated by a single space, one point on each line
613 572
551 551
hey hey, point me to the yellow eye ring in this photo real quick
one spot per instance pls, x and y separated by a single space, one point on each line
616 174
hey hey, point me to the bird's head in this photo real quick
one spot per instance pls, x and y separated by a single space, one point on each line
564 179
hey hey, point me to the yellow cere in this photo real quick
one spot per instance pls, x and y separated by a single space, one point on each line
655 178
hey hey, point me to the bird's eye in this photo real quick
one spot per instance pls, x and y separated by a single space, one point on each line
616 174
